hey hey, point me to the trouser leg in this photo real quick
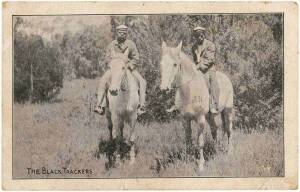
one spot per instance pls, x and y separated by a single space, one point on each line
213 89
102 89
142 86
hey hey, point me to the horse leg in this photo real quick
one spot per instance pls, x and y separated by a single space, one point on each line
224 122
132 137
228 116
119 130
115 134
120 135
110 126
213 129
215 124
200 142
186 123
114 122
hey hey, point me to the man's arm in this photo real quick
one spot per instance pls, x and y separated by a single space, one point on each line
133 56
208 57
195 58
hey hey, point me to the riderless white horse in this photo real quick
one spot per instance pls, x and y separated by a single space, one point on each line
179 71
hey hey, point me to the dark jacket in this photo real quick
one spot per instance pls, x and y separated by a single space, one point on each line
114 48
204 55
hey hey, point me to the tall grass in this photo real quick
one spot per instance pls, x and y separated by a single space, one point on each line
67 134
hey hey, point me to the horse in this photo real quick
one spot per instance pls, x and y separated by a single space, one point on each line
123 101
179 71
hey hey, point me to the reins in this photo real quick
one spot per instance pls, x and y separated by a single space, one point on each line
178 76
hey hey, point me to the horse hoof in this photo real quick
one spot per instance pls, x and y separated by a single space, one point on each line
200 164
229 149
200 168
132 161
118 160
132 158
129 108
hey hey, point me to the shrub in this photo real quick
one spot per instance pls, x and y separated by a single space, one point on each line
38 76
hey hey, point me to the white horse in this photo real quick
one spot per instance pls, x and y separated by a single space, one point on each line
178 70
123 101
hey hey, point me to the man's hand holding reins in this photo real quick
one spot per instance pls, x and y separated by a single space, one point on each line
130 66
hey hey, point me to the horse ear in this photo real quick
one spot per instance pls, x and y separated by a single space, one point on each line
179 47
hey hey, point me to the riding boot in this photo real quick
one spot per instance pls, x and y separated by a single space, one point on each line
101 102
100 110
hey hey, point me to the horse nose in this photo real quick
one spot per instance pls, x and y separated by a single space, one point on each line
163 88
166 89
114 92
173 86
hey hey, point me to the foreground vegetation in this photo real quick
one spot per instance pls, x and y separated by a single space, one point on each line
67 133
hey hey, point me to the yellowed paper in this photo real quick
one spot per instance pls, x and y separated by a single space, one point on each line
54 145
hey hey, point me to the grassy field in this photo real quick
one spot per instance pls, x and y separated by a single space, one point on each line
67 134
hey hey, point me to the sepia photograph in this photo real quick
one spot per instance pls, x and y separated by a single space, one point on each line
148 95
174 95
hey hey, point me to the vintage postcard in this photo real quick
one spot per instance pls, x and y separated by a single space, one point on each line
140 95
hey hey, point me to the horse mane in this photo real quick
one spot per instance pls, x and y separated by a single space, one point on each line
128 84
188 68
127 77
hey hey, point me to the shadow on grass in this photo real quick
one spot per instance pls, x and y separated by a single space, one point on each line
113 149
116 151
190 155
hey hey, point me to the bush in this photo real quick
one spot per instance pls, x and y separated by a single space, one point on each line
38 76
249 51
81 53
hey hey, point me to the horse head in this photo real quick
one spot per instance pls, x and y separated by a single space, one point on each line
170 65
118 67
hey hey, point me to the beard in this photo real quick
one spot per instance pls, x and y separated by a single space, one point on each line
121 39
200 41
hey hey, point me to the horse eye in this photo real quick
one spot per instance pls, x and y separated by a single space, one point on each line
175 64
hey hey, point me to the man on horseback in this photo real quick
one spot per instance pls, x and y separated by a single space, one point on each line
203 52
120 45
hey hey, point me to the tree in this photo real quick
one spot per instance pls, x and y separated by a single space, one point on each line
38 76
249 51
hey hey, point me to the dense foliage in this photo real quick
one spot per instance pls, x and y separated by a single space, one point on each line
41 64
38 75
249 51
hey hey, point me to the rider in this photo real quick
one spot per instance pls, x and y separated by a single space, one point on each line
120 45
203 52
